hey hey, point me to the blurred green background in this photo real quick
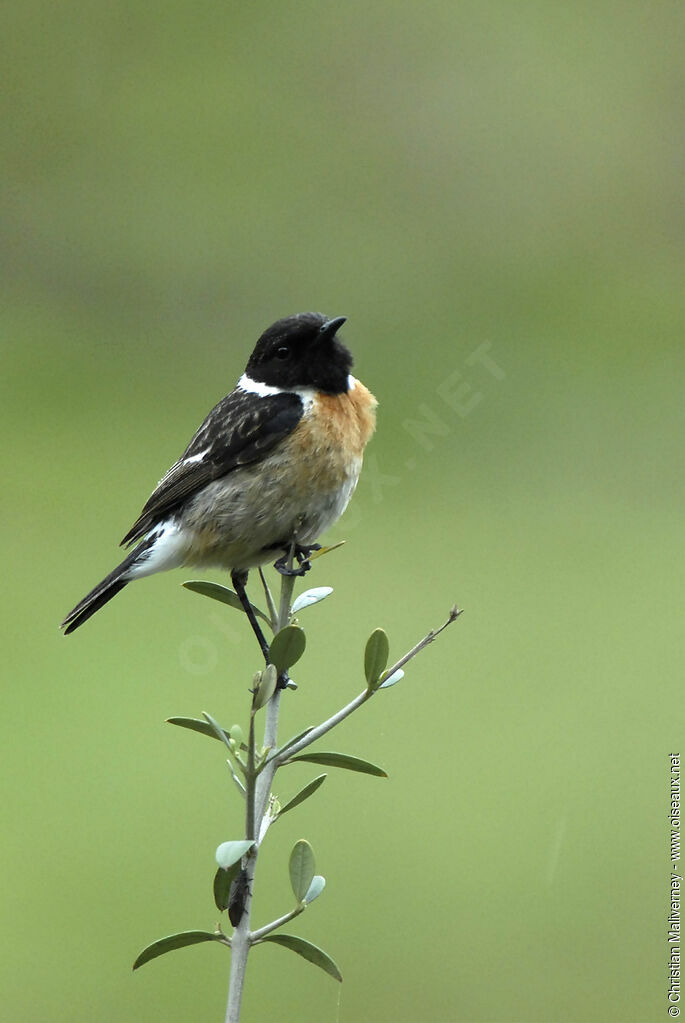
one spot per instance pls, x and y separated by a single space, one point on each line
461 181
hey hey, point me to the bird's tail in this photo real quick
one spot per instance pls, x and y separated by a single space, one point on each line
104 591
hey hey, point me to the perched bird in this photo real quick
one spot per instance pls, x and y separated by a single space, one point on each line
273 464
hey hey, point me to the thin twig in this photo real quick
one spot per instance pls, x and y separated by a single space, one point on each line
433 634
320 730
218 730
236 779
271 607
257 936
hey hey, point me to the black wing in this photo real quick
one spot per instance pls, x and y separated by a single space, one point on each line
241 429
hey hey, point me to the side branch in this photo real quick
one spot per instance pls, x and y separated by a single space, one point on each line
433 634
256 936
321 729
279 759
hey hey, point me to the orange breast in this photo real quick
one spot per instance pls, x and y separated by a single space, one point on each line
336 432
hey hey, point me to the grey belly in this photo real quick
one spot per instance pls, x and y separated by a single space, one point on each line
242 519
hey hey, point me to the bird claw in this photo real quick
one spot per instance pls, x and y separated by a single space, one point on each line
302 554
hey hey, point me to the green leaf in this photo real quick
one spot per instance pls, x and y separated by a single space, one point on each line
287 647
229 853
376 656
223 594
341 760
313 596
312 953
180 940
316 887
223 879
267 686
303 794
391 680
301 868
199 726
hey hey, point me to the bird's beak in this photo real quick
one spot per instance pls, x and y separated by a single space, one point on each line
331 328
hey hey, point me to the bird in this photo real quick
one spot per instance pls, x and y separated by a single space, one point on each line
272 466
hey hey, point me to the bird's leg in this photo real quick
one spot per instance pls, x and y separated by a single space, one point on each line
301 552
239 579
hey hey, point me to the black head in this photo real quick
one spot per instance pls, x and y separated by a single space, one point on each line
302 351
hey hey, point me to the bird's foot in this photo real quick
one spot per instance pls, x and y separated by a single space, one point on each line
301 553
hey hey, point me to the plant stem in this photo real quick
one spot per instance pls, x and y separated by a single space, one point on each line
240 947
258 785
250 783
257 790
287 586
273 707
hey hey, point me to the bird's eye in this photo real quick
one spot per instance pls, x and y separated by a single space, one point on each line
282 353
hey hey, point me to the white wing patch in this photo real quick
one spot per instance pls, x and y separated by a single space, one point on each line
196 458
